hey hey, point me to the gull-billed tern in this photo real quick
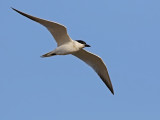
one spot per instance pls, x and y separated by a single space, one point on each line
75 47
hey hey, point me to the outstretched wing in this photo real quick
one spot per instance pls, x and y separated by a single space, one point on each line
58 31
97 64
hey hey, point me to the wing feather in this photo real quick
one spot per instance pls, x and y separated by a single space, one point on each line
97 64
58 31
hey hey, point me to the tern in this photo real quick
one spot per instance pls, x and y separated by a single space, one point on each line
65 46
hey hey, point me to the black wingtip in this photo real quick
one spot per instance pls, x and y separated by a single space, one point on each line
112 92
16 10
111 89
13 8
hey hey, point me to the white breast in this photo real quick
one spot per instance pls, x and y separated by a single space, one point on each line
68 48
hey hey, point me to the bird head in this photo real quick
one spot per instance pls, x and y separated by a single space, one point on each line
84 43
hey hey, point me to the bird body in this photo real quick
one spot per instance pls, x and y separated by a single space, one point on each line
65 49
65 45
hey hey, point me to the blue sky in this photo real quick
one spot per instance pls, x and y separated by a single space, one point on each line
125 33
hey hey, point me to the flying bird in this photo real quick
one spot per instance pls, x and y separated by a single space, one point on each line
65 45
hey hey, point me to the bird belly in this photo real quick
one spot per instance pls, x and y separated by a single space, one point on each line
66 49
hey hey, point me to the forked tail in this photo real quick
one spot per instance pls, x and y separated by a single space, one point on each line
48 54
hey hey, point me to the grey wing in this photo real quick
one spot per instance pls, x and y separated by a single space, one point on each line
58 31
97 64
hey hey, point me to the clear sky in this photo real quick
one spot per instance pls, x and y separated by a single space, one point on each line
125 33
